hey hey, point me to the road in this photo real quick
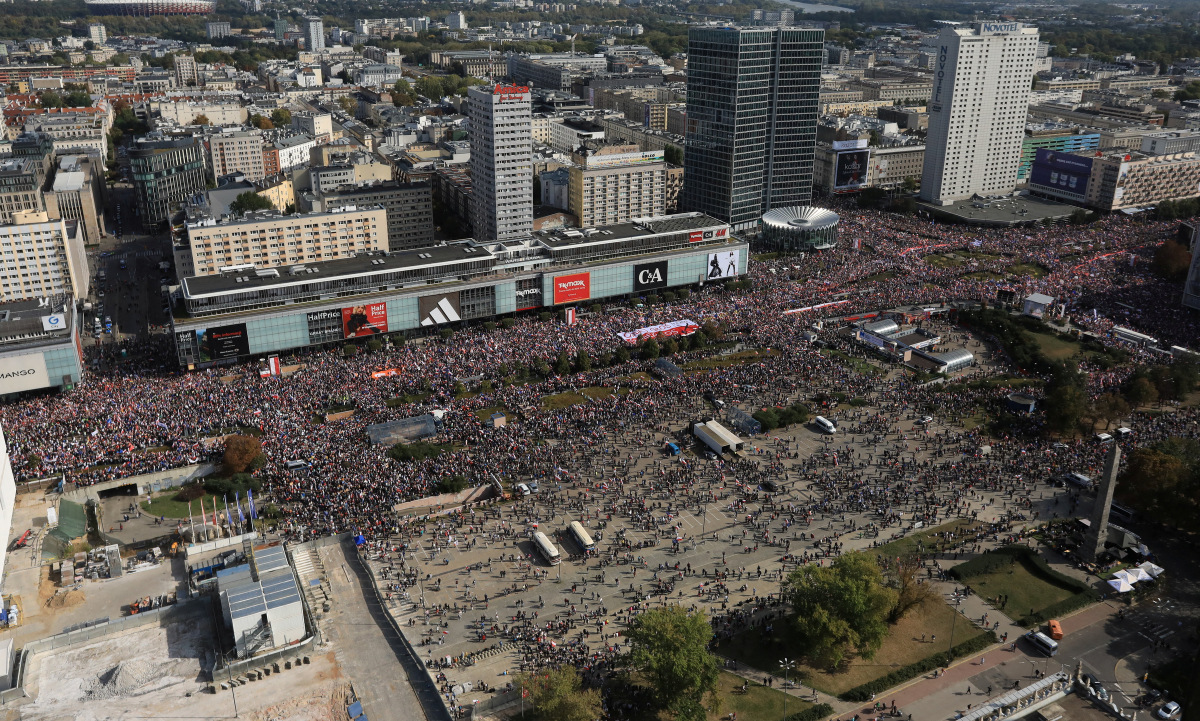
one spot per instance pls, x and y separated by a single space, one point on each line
368 649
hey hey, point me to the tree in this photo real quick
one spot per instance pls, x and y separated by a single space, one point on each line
670 649
348 105
281 117
430 87
563 365
583 361
911 184
260 122
1161 481
248 201
78 99
1172 260
558 695
673 154
840 609
51 99
1111 407
1141 392
240 452
201 119
402 94
650 350
905 574
1066 399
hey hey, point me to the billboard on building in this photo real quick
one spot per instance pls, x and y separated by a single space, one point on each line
324 325
649 276
362 321
856 144
722 265
572 288
222 342
23 373
1063 172
675 327
850 169
697 236
439 309
529 294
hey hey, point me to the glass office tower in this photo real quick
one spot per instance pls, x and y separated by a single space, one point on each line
752 101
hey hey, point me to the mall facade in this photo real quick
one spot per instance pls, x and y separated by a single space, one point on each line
246 311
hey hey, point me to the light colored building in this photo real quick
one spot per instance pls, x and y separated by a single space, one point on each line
293 151
97 33
267 239
457 21
409 209
187 72
569 133
318 126
1058 84
237 152
78 194
261 604
1182 141
21 180
42 258
501 162
314 34
1115 181
615 184
74 132
977 111
217 30
181 111
379 75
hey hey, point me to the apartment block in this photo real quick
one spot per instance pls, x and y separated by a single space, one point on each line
409 209
615 183
77 193
237 152
42 258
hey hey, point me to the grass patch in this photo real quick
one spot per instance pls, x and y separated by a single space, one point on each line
746 356
639 376
407 398
976 255
1021 573
485 413
885 275
759 702
925 539
559 401
943 261
902 647
598 392
164 504
984 275
1053 347
1023 588
858 365
1031 270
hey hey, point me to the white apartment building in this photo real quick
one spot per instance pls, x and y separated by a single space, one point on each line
268 239
238 152
318 126
97 33
187 71
501 162
41 258
616 184
314 34
8 498
978 110
294 151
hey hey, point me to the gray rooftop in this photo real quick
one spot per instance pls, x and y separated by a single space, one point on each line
637 228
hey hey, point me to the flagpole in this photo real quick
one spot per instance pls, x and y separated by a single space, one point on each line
190 524
203 522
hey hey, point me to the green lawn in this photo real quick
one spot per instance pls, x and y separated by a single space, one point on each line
857 365
923 538
562 400
902 647
975 255
407 398
1029 269
164 504
1053 347
485 413
943 261
1024 589
759 703
984 275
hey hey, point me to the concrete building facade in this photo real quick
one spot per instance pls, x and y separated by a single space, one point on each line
42 258
977 111
615 184
501 161
409 209
238 152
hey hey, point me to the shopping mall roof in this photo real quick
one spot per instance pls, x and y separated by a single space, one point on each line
636 228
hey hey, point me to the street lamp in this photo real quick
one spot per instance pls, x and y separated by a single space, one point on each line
787 665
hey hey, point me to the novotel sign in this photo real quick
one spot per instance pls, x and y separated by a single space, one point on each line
943 54
999 27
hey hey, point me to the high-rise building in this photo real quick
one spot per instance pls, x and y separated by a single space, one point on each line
501 161
281 28
97 33
613 184
977 114
457 21
186 71
752 103
217 30
43 258
238 152
165 174
409 209
314 34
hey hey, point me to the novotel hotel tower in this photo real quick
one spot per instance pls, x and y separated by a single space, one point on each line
501 162
981 84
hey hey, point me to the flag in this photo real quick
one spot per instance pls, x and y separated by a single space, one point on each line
237 501
274 365
250 503
228 515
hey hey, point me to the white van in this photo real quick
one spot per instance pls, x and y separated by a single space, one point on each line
1103 438
1124 432
825 425
1078 479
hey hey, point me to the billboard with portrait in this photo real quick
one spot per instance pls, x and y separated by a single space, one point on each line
1065 173
572 288
222 342
850 172
722 265
364 321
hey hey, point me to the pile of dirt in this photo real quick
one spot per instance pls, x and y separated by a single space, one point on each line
323 704
70 599
124 679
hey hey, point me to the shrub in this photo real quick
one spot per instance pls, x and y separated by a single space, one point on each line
237 483
398 339
545 316
668 296
452 484
374 345
445 333
683 293
486 386
190 492
349 350
596 308
652 299
416 451
863 692
507 323
240 452
489 326
816 713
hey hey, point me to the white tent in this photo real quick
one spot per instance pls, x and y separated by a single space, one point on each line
1152 569
1120 585
1138 574
1126 576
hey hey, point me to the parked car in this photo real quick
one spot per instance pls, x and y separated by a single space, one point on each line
925 421
1169 710
523 490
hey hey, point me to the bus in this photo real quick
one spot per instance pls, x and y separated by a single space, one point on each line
581 536
825 425
546 548
1042 642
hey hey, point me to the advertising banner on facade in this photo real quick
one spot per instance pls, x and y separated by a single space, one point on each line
572 288
648 276
856 144
222 342
1062 172
324 325
850 173
23 373
362 321
722 265
698 236
439 309
529 295
675 327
